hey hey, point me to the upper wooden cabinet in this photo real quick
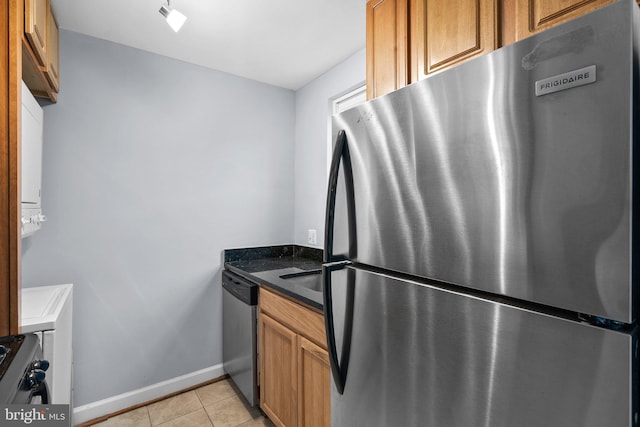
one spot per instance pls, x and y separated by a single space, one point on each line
40 61
442 33
533 16
35 27
52 68
445 33
387 48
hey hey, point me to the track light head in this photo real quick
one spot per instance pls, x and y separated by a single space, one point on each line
174 18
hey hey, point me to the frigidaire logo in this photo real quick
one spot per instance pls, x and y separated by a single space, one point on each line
565 81
568 80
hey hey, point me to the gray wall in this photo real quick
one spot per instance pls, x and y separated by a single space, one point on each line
151 168
313 107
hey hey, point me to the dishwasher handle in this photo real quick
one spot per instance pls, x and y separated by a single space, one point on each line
244 290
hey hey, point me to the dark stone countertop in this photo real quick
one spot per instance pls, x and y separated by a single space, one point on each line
266 265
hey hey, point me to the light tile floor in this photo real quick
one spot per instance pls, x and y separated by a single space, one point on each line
215 405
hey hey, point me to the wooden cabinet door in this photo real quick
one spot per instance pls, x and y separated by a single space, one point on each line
314 385
278 372
386 50
35 27
533 16
52 70
446 33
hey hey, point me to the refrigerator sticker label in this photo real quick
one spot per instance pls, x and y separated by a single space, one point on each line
576 78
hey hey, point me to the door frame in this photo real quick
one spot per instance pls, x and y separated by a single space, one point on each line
11 27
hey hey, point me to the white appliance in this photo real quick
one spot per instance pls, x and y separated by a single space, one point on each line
47 312
32 130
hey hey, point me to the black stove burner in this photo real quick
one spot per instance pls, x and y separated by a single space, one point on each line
8 349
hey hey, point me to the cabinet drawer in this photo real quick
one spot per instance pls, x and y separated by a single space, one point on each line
301 319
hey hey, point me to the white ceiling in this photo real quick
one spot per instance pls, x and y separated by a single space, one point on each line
286 43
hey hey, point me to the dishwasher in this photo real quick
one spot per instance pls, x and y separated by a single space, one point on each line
239 343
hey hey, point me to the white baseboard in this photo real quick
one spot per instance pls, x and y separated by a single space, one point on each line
113 404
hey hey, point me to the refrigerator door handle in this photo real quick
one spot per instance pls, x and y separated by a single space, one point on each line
340 155
338 367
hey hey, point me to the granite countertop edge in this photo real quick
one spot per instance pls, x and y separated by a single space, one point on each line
247 262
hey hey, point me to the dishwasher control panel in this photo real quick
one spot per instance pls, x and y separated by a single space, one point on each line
241 288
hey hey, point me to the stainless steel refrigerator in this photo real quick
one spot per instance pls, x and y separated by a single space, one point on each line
481 247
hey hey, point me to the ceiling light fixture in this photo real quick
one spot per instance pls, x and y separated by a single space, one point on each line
174 18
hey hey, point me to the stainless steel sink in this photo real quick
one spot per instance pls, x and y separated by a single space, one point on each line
309 279
304 283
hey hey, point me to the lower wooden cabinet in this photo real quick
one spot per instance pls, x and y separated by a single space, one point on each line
294 365
314 385
278 371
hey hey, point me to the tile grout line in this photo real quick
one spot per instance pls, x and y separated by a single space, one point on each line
203 407
181 416
176 417
146 407
219 398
